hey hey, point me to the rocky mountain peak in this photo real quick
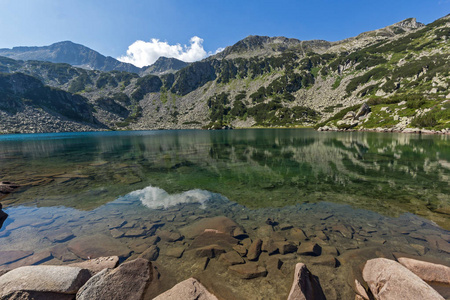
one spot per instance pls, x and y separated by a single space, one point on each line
164 65
409 23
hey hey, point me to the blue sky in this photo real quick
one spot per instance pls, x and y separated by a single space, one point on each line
112 26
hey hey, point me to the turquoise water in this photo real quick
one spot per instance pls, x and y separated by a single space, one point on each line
390 192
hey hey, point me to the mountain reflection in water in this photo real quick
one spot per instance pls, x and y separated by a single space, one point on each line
387 173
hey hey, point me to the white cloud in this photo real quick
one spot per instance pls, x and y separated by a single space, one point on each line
142 53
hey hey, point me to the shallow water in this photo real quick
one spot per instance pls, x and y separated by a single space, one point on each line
358 195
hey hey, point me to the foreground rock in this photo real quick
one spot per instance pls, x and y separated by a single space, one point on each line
427 271
42 282
305 286
387 279
128 281
188 289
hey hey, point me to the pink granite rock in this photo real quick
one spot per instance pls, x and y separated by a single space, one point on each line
388 279
188 289
427 271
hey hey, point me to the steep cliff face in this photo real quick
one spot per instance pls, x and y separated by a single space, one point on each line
270 81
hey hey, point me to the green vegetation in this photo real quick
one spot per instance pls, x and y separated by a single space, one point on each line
79 83
132 118
145 85
339 115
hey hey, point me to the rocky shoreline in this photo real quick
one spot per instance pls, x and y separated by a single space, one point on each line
104 278
216 246
392 130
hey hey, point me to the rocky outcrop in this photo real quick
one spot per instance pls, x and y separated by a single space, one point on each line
388 279
128 281
305 286
351 119
42 282
188 289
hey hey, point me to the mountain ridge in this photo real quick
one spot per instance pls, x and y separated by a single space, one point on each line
272 81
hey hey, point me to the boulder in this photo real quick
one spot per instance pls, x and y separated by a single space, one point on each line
363 110
388 279
40 280
255 250
249 270
221 224
128 281
305 286
97 246
97 264
350 115
188 289
427 271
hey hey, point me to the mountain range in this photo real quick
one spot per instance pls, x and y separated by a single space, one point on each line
402 71
81 56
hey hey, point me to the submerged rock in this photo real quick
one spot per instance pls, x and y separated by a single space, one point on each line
221 224
309 248
249 270
231 258
388 279
41 280
151 253
97 246
176 252
34 259
255 250
188 289
97 264
11 256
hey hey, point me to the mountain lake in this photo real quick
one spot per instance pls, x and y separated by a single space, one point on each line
331 200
